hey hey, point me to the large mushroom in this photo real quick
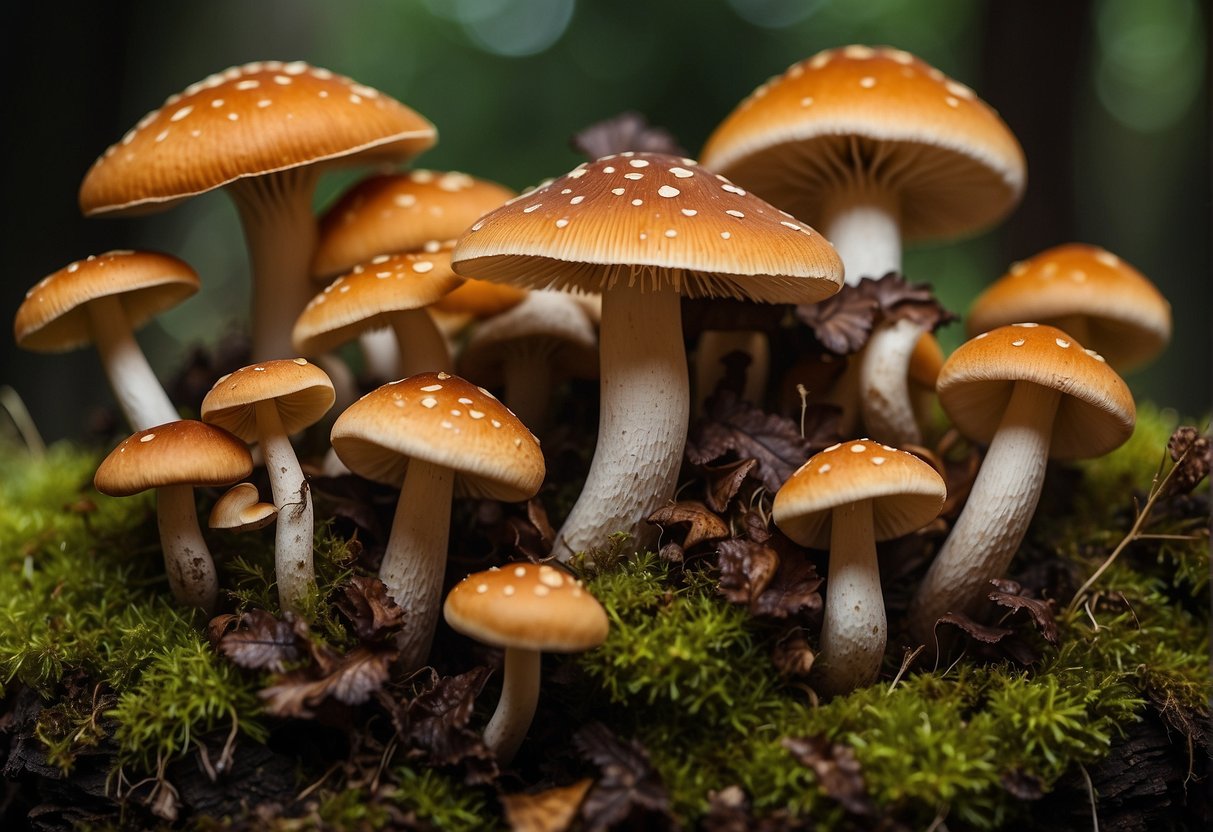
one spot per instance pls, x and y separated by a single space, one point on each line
436 436
1032 393
644 229
873 146
264 131
103 299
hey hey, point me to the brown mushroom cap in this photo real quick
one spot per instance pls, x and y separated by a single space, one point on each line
1096 412
658 222
906 493
954 164
480 299
187 452
302 392
52 318
399 212
528 606
248 121
926 361
1128 320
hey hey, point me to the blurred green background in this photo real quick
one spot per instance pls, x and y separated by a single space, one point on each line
1109 98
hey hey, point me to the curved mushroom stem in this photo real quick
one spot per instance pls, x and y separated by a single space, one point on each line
996 516
422 347
528 389
293 499
136 388
642 423
516 707
415 559
714 345
854 630
187 560
888 410
280 231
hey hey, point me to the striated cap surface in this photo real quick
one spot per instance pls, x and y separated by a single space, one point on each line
301 391
187 452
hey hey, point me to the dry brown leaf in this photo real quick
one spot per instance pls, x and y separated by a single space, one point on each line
553 810
364 601
704 524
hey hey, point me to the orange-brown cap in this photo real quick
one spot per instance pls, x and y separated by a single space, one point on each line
926 361
240 509
953 164
52 317
1126 319
480 299
653 221
397 212
528 606
302 392
366 297
177 453
247 121
1096 412
906 493
446 421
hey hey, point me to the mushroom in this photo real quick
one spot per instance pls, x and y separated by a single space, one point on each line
644 229
266 403
264 131
527 610
240 510
1033 393
847 498
173 458
103 299
436 436
872 146
1089 293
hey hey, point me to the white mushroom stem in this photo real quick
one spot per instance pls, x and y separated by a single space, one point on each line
136 388
642 420
415 559
516 707
280 231
381 354
714 345
996 516
865 228
884 384
187 560
853 631
528 387
422 347
292 497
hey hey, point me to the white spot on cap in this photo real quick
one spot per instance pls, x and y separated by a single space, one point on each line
250 84
550 576
833 447
1018 342
233 116
858 448
824 469
566 191
541 590
1027 325
431 388
531 208
562 222
878 460
300 361
859 52
617 191
982 335
481 589
638 201
476 414
263 103
519 571
1095 355
807 101
464 400
609 169
638 163
670 232
1107 258
445 425
162 135
1061 342
952 101
668 191
682 173
959 90
689 212
423 266
517 442
790 225
633 176
494 423
508 590
456 411
733 212
444 376
429 402
724 235
577 200
733 189
577 173
867 82
182 113
147 437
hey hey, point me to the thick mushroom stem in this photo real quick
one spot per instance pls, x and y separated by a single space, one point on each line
380 354
884 384
280 231
422 347
136 388
1077 327
292 497
187 560
865 228
528 388
415 559
642 423
996 516
516 707
854 630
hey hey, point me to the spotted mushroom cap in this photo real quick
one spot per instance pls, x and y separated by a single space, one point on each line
53 319
396 212
906 493
656 222
528 606
550 327
248 121
1128 320
187 452
446 421
240 509
1096 413
302 392
951 162
367 297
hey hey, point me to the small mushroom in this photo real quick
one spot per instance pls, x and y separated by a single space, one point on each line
527 610
174 458
241 510
846 498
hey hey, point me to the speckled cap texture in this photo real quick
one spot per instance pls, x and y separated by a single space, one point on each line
187 452
301 391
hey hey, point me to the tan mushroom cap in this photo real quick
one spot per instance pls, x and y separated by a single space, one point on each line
926 361
906 493
187 452
248 121
397 212
950 158
240 509
1096 412
366 297
1128 320
548 326
528 606
302 392
656 222
446 421
480 299
52 317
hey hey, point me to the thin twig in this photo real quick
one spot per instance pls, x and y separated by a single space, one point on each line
14 405
1091 794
